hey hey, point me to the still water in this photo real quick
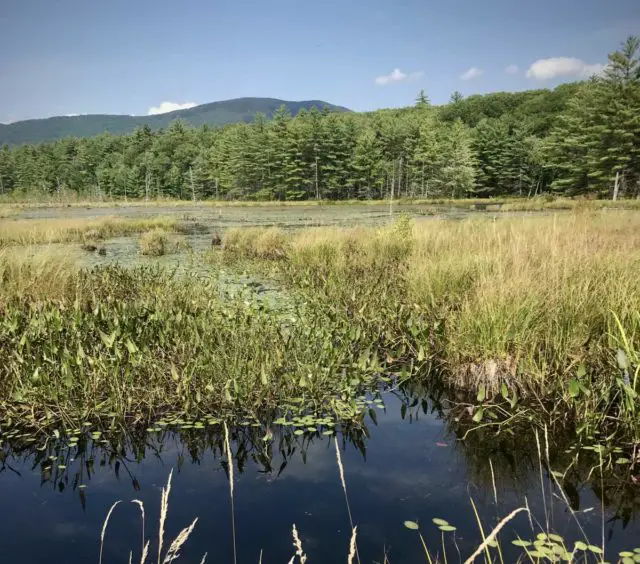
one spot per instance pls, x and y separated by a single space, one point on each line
409 465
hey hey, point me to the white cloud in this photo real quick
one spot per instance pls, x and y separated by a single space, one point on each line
512 69
165 107
545 69
473 72
396 75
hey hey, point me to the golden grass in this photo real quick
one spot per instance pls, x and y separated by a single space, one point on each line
44 231
7 211
34 274
154 243
531 294
527 293
158 242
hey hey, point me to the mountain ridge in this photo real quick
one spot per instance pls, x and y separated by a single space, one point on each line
218 113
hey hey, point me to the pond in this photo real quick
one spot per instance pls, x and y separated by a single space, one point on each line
409 465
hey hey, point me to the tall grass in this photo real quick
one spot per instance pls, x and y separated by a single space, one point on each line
30 232
518 307
158 242
527 298
539 203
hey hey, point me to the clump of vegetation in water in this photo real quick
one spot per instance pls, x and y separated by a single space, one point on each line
158 242
32 232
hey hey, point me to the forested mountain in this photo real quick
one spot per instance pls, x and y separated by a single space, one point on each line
216 113
576 139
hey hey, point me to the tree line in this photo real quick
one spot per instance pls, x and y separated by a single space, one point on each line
581 138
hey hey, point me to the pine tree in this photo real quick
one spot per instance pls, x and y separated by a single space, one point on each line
457 172
422 101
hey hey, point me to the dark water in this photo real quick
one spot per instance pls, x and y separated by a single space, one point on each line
410 468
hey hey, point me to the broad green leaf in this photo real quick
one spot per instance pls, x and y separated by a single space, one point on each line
522 543
411 525
574 388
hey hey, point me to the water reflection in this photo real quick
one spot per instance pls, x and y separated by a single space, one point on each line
406 463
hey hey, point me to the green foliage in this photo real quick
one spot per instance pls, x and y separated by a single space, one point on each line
572 140
598 138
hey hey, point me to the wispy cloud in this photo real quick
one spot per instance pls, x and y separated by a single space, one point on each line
165 107
396 75
512 69
473 72
545 69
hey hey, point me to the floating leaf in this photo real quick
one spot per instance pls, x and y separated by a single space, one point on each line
440 522
521 543
448 528
411 525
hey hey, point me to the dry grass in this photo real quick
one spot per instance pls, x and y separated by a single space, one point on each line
154 243
6 211
31 232
159 242
30 275
256 242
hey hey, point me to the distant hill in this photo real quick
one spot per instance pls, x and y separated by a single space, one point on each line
215 113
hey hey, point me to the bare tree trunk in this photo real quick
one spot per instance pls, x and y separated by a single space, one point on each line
616 186
393 182
317 185
147 185
193 188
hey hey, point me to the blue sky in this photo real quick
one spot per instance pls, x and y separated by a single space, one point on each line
61 57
